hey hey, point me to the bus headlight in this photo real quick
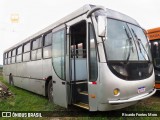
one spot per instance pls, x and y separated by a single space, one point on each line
116 92
121 70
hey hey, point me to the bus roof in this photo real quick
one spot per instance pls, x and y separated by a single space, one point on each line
80 11
154 33
153 30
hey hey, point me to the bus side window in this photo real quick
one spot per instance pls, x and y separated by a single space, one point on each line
19 54
47 46
13 56
26 54
5 60
36 49
39 51
9 57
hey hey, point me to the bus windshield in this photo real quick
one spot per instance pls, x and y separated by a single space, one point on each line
126 42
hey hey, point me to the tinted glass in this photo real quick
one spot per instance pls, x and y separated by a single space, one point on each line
27 47
48 39
14 52
19 50
47 52
155 49
37 43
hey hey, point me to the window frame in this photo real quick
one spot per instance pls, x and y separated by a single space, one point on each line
48 33
19 54
18 49
39 47
13 56
24 52
46 46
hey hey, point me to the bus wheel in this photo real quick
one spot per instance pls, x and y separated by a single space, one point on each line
50 91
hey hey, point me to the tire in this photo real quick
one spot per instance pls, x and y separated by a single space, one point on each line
50 91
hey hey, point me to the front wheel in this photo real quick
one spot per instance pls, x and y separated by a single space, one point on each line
50 91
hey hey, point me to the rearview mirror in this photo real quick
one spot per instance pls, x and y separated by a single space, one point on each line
101 26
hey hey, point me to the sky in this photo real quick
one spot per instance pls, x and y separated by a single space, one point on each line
35 15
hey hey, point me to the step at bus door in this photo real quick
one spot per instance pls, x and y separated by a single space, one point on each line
58 61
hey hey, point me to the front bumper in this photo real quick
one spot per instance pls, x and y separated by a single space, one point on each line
133 99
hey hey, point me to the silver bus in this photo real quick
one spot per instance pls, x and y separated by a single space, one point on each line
94 58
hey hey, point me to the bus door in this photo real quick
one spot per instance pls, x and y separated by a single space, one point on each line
78 65
58 61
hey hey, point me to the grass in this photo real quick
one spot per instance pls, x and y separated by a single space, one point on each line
23 100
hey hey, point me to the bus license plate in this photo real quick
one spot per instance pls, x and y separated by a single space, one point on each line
141 89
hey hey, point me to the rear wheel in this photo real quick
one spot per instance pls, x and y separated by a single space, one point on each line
50 91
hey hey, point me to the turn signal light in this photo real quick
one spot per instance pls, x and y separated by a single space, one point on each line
116 92
94 83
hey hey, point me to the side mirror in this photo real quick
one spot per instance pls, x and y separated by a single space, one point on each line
101 26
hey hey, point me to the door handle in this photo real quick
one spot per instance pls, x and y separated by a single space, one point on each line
63 83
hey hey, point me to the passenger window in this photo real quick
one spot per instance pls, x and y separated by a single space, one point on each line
47 52
36 49
9 57
26 54
37 43
27 47
48 39
19 50
9 54
6 56
13 56
36 54
19 54
14 52
19 58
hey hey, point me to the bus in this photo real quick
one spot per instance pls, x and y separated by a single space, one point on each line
94 58
154 37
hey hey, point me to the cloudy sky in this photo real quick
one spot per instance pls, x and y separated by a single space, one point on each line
34 15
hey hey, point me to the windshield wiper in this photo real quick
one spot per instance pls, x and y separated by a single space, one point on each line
139 42
130 44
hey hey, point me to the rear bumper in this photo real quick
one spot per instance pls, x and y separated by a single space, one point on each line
133 99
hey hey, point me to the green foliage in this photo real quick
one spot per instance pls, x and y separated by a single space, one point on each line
23 100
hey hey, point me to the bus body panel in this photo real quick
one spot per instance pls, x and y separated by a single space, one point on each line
35 69
47 68
128 89
29 75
